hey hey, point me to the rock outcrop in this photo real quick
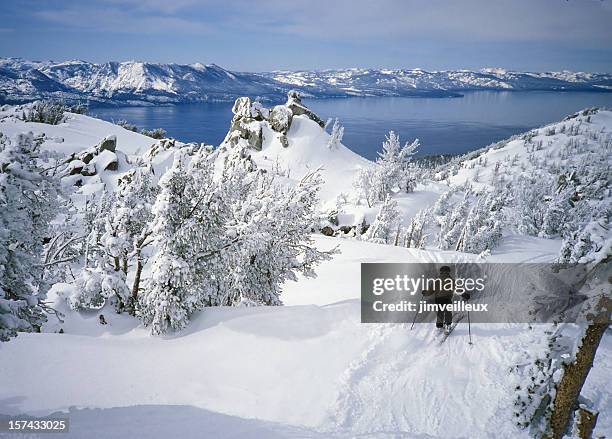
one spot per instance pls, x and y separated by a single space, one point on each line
294 103
251 117
94 160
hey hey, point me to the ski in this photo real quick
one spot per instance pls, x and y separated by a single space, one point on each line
452 328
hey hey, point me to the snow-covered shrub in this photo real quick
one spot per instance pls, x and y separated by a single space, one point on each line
48 112
589 244
367 185
157 133
127 125
28 202
443 204
529 206
98 284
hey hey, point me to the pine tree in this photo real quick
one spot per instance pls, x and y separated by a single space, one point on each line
393 164
127 228
482 229
367 185
269 231
177 285
28 200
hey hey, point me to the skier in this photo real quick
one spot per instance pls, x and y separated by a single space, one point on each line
444 296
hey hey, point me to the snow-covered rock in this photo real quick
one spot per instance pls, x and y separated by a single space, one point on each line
289 141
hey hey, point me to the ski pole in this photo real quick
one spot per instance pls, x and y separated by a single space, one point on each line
469 327
414 320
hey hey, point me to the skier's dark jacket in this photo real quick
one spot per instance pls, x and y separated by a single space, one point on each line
439 293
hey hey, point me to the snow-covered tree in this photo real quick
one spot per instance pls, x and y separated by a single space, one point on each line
335 137
413 236
588 244
391 174
127 227
28 200
230 240
384 229
393 164
180 228
367 185
452 225
482 229
443 204
529 197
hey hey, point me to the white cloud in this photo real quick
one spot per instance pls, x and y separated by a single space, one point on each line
121 21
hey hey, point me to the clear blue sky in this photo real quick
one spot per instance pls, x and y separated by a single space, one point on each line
259 35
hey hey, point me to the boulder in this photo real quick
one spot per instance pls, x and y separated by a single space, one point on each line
327 231
294 95
88 170
75 167
246 123
347 229
108 143
244 108
87 156
280 118
251 131
160 146
106 161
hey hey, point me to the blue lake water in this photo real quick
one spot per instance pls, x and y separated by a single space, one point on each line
443 125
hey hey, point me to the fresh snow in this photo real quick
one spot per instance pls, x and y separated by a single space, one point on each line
77 133
306 369
307 152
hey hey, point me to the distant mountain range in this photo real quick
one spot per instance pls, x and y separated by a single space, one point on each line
138 83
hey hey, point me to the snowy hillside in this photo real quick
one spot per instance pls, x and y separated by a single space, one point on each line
182 240
134 82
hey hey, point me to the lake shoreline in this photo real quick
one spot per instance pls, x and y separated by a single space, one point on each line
444 126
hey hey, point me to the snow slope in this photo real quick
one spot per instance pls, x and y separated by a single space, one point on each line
77 133
312 367
308 369
308 151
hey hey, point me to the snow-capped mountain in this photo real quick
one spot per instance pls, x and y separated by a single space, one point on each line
416 82
128 82
133 82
